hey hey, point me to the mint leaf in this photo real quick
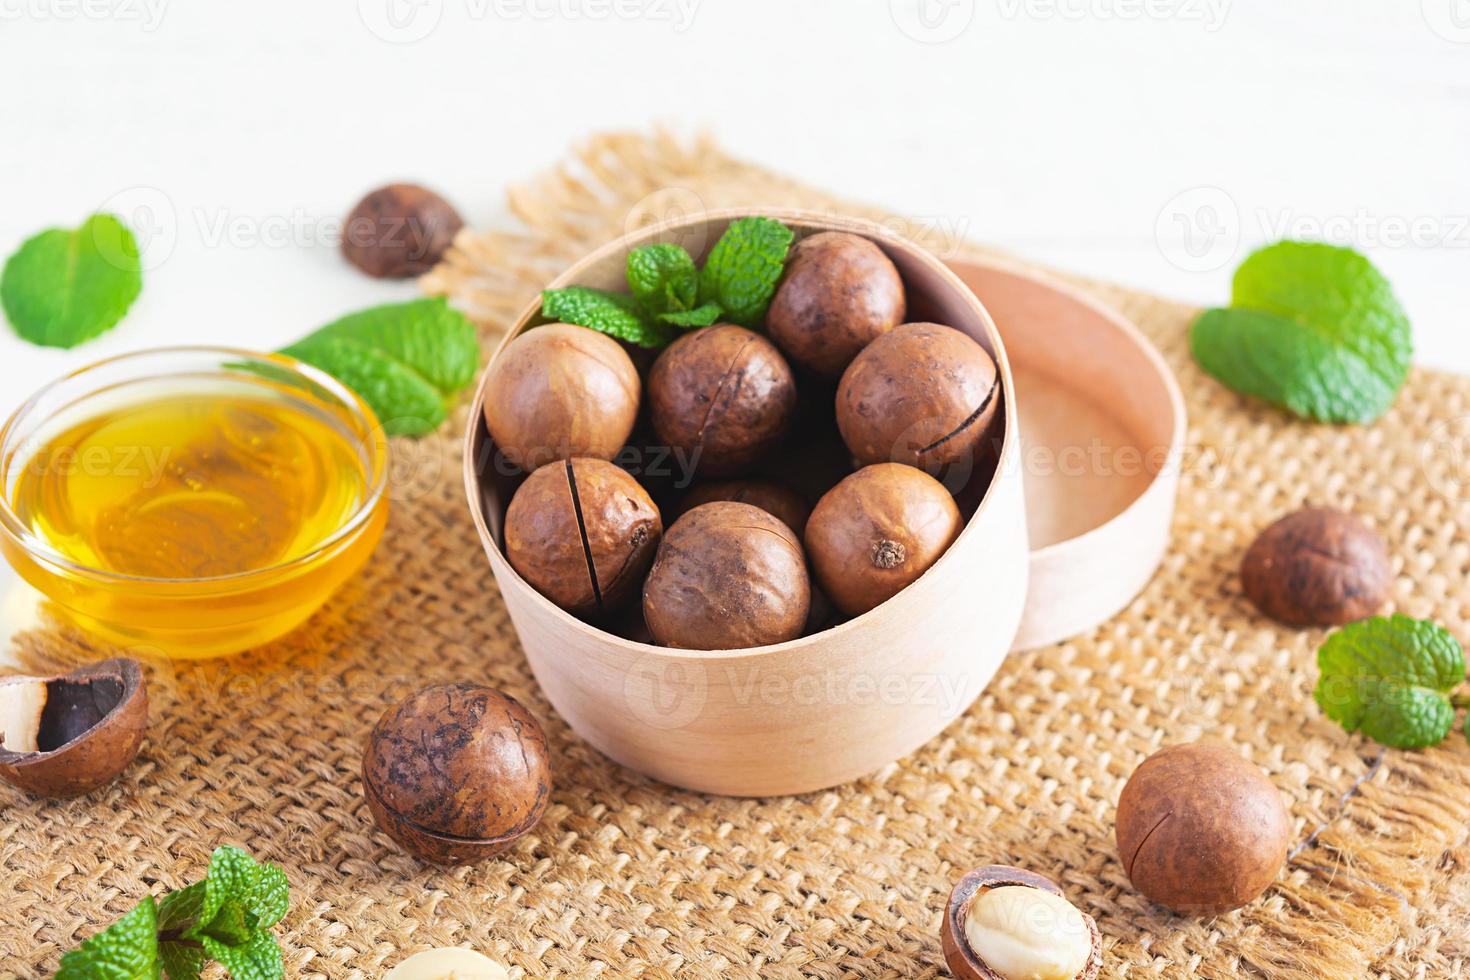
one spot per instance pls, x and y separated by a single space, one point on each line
743 268
701 316
257 959
270 898
1391 679
662 277
428 335
614 314
232 875
126 950
181 962
405 402
1314 329
406 360
63 287
180 909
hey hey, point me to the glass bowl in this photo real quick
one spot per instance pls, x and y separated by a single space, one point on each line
206 615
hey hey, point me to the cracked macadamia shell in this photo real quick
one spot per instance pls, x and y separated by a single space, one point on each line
74 733
877 531
399 230
839 293
1317 567
583 533
728 576
922 394
1200 830
963 961
560 391
722 397
457 772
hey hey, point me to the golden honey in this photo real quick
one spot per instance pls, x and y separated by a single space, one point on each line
195 516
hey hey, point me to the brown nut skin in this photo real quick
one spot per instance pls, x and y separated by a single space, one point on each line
398 231
921 394
1200 830
91 728
958 956
728 576
1317 567
559 391
877 531
579 512
456 773
839 293
779 501
722 397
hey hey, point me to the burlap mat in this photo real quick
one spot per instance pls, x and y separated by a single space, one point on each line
628 878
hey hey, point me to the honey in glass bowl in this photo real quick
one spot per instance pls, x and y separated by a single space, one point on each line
193 501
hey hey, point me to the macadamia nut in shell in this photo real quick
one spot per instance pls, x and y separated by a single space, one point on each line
722 397
1004 923
398 231
457 772
839 293
877 531
559 391
582 532
1317 567
728 576
922 394
1201 830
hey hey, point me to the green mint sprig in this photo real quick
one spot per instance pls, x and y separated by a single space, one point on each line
65 286
1312 328
225 918
666 290
1394 679
406 360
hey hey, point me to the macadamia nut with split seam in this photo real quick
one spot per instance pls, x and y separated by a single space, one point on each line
923 395
582 533
457 773
1200 830
723 397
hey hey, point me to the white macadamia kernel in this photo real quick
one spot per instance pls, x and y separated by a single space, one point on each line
448 964
1024 933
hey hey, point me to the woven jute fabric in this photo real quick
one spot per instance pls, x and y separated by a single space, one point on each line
626 877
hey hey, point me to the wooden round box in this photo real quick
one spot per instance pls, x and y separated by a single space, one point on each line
816 711
1072 526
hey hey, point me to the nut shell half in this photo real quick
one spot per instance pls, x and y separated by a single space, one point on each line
962 961
88 726
457 772
1317 567
1201 830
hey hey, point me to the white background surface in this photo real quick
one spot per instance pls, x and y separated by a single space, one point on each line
1148 141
